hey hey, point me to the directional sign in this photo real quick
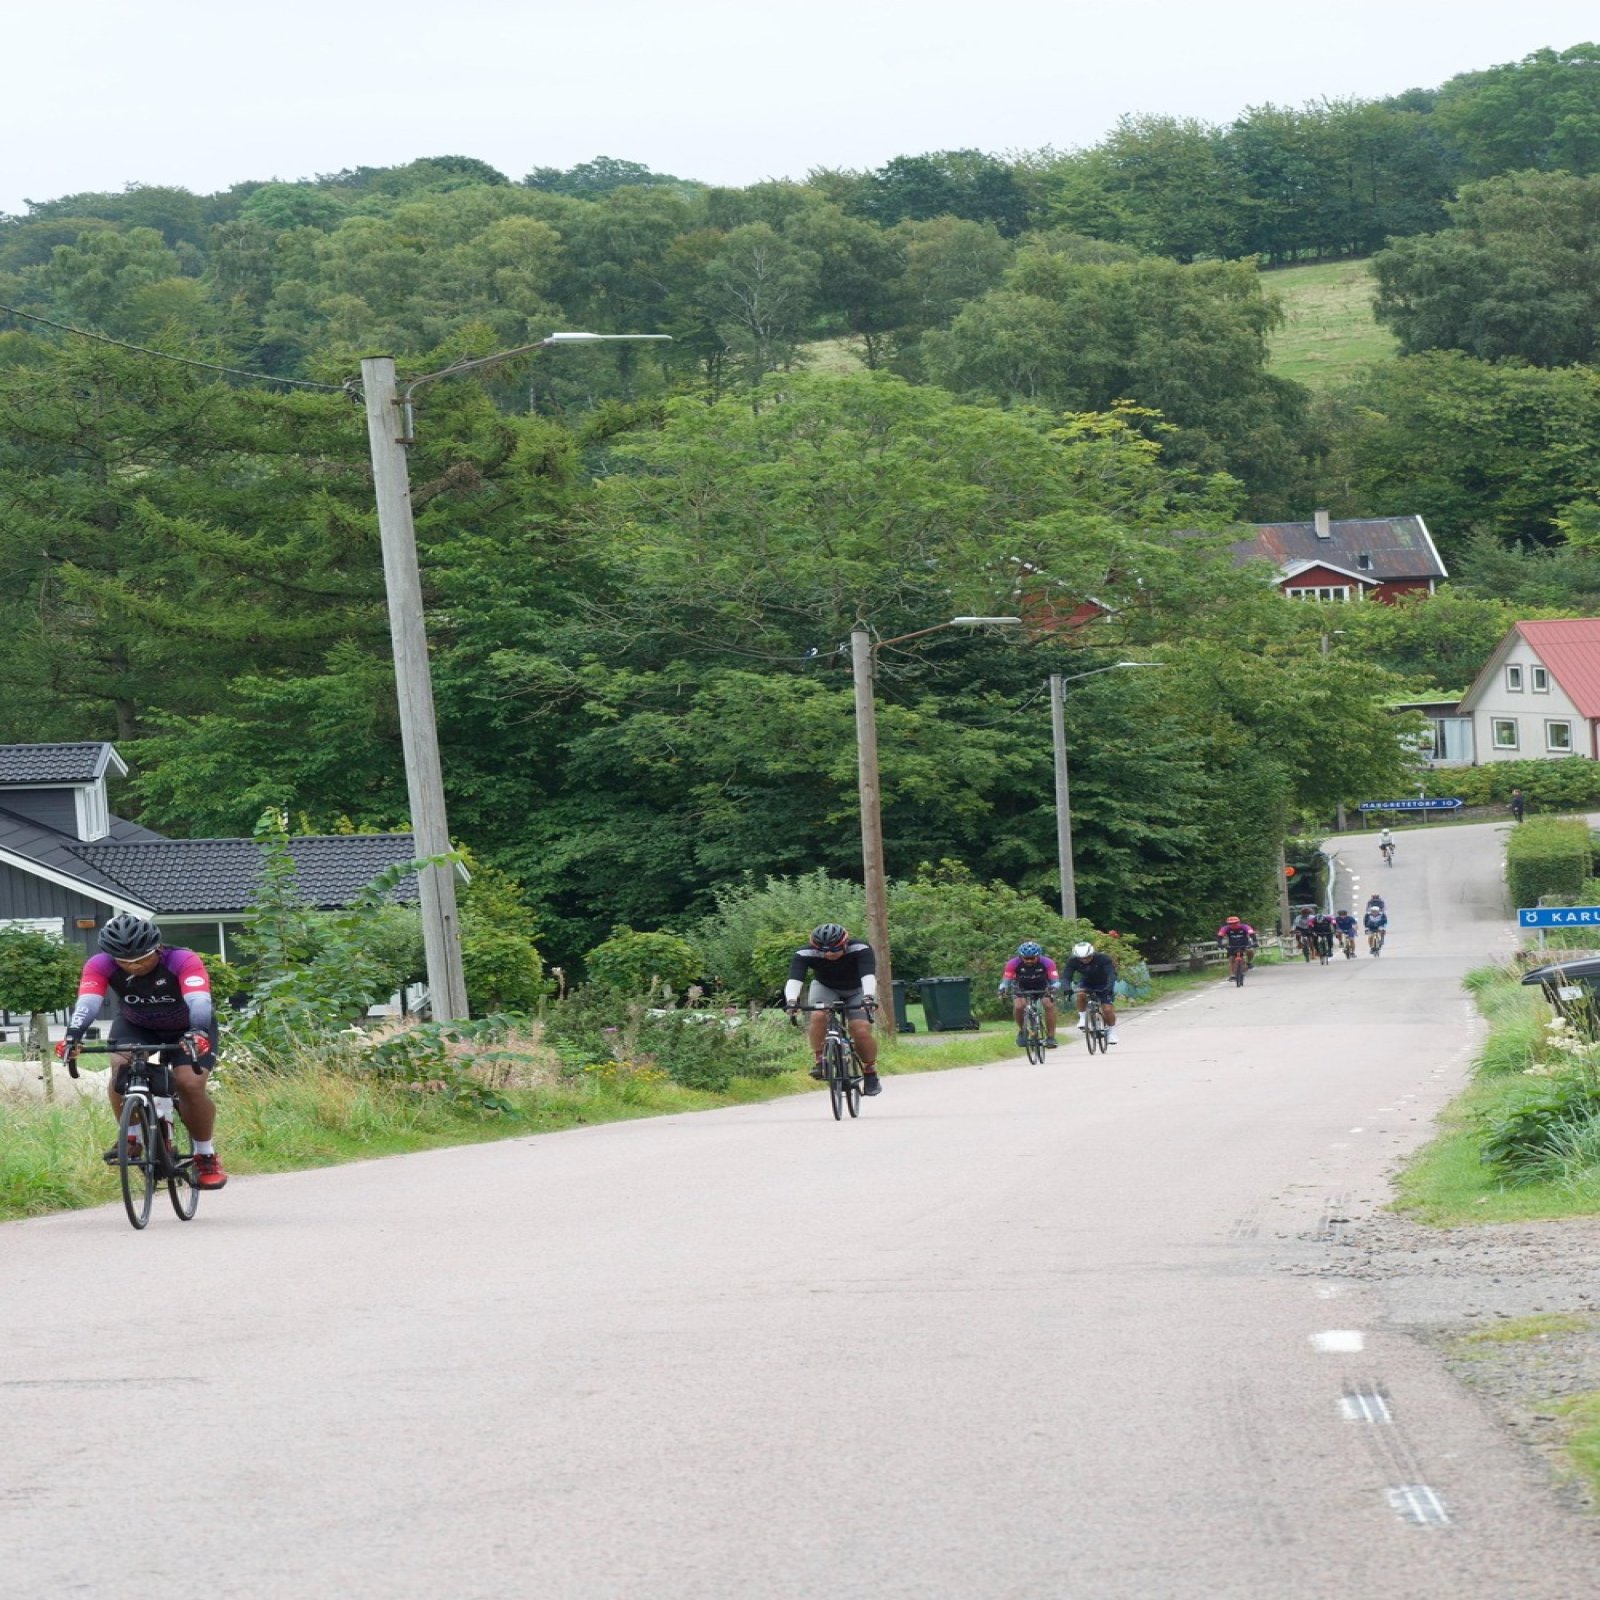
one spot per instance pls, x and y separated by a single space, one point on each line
1558 916
1410 805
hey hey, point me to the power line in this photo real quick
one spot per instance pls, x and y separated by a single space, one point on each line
164 355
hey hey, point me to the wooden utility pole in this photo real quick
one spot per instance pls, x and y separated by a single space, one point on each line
1058 734
872 872
419 734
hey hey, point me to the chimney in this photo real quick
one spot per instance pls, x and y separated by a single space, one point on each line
1321 520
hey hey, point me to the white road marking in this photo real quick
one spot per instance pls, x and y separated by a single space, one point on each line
1365 1406
1417 1503
1339 1341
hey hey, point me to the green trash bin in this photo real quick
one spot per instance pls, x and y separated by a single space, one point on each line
903 1023
947 1004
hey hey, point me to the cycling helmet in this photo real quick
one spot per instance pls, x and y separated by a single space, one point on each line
1083 951
1233 919
127 937
1028 950
829 936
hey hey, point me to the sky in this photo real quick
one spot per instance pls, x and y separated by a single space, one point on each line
204 94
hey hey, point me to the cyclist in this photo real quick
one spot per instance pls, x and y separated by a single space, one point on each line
1091 971
1304 933
1386 846
1234 935
1325 927
1375 919
1345 925
842 969
164 1001
1375 902
1031 971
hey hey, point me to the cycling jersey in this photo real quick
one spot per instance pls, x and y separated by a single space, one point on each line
1034 979
1345 924
1239 935
853 972
1097 973
173 997
1375 919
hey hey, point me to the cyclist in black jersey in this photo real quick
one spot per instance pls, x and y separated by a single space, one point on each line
844 969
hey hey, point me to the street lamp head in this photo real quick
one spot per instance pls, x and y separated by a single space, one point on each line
594 338
986 622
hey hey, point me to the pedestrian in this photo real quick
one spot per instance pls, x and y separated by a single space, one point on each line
1518 804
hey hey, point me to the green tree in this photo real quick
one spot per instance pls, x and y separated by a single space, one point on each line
1540 112
38 974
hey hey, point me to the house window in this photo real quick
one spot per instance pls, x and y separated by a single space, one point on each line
1364 562
1558 736
1514 679
1328 592
1505 733
1541 680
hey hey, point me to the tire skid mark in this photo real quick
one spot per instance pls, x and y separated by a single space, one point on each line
1409 1495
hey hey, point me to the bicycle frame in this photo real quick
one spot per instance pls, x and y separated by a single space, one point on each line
842 1066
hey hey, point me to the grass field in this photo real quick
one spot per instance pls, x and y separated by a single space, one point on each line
1328 329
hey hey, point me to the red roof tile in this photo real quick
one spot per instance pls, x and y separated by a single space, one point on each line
1570 647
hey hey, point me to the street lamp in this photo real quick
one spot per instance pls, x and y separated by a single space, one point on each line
419 734
1058 732
862 651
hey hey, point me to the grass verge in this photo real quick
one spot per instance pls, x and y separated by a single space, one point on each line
1328 327
1448 1182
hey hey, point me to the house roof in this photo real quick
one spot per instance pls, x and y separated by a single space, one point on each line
1399 547
1570 647
214 876
1298 569
28 765
56 854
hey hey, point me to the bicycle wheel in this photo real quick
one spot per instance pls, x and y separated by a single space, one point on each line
834 1064
852 1084
1033 1034
182 1185
1240 966
136 1158
1095 1034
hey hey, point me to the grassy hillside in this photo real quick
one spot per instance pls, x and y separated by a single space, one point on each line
1328 328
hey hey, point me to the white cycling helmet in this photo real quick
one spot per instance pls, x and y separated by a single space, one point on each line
1083 951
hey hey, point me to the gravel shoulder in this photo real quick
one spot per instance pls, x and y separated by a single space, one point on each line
1463 1290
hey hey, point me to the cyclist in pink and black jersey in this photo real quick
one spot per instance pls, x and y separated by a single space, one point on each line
1031 971
163 1001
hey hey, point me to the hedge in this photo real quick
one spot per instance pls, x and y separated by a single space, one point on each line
1571 783
1547 856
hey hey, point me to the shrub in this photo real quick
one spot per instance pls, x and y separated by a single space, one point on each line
1547 856
1536 1141
753 917
1571 783
633 963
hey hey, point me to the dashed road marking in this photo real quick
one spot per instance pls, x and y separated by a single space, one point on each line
1339 1341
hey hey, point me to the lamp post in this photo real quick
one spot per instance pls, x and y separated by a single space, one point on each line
389 431
1328 636
862 653
1058 733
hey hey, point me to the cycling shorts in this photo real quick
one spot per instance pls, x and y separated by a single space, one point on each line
124 1033
1104 996
855 1000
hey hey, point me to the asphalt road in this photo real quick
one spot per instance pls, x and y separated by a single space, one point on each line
1059 1331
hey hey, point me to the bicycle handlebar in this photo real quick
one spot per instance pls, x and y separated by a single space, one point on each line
182 1046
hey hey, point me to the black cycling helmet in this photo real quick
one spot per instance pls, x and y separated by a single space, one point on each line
127 937
829 936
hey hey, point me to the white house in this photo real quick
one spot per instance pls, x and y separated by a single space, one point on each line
1539 693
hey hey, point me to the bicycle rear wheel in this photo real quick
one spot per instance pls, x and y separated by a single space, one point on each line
836 1067
183 1186
136 1158
1094 1035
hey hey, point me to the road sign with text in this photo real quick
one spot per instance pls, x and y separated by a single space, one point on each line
1558 916
1411 805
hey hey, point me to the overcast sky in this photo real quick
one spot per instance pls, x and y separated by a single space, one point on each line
206 93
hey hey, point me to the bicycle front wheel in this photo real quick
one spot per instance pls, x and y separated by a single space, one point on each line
852 1085
183 1186
1033 1034
136 1157
835 1065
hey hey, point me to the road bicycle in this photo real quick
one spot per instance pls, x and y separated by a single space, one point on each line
1325 946
1238 965
153 1145
1388 854
1307 941
1375 939
1094 1025
841 1066
1033 1033
1347 942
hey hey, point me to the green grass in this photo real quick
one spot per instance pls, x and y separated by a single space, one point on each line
1581 1413
1525 1330
1328 329
1447 1182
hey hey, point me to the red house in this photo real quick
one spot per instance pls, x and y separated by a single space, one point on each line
1368 558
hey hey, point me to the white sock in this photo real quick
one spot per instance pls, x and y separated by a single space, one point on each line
1111 1035
204 1147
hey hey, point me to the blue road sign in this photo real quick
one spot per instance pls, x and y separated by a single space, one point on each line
1558 916
1410 805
